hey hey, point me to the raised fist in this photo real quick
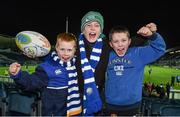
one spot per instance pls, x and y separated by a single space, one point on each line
147 30
14 68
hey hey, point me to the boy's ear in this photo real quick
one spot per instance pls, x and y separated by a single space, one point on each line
130 41
110 43
56 48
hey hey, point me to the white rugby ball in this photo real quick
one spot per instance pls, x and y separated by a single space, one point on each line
33 44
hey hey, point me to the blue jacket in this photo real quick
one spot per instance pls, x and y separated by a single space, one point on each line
49 73
125 74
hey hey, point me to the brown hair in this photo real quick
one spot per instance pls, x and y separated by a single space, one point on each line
119 29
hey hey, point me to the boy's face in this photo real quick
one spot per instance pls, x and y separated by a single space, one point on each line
66 50
92 31
120 43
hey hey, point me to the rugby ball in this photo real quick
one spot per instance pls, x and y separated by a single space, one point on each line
33 44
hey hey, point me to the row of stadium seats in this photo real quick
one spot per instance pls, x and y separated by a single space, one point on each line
15 102
160 107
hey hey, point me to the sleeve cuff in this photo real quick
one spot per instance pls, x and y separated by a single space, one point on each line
154 36
17 75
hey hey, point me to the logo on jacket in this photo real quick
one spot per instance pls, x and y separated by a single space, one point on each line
119 70
58 71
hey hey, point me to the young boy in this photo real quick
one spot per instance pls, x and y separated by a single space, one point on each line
55 77
125 71
92 53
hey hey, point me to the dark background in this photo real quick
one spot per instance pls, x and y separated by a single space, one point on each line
49 17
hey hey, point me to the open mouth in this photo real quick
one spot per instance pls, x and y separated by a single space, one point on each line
120 51
65 58
92 35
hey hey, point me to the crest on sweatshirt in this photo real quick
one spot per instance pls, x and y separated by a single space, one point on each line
119 69
58 71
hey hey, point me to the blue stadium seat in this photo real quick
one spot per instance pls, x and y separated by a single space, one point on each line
170 110
151 106
20 103
3 96
155 108
146 106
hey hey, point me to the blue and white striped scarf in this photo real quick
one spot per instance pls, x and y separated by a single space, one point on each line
91 100
73 99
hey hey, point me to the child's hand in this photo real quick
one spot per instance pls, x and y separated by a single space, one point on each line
145 31
152 27
14 68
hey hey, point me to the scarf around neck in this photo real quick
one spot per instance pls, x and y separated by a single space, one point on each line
73 99
91 99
